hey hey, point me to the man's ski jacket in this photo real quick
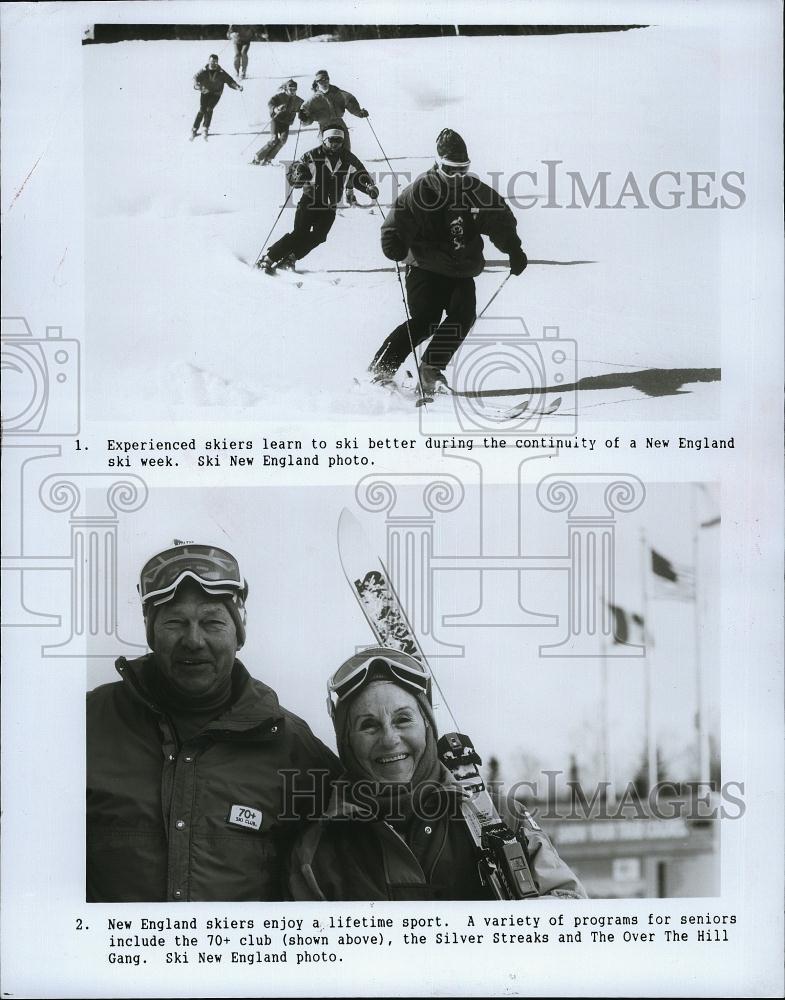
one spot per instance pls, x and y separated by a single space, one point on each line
324 108
345 857
438 226
200 820
284 107
212 81
323 175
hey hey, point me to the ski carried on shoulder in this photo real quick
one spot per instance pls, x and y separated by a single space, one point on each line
501 859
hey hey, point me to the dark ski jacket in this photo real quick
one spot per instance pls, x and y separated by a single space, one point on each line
159 813
438 227
284 107
323 176
324 108
344 857
211 81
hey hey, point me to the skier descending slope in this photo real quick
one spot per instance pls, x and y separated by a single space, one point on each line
241 36
283 110
210 81
329 104
322 173
436 225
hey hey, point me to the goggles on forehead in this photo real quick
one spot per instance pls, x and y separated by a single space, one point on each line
214 570
352 676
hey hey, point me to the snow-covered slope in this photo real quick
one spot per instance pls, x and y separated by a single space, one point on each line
172 224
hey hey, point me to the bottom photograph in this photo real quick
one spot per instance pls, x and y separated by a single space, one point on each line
421 688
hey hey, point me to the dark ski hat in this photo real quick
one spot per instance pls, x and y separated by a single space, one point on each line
451 149
321 74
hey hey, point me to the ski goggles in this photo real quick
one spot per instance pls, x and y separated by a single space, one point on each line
451 169
380 664
214 570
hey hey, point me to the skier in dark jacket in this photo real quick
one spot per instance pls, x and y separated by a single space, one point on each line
210 81
197 779
436 227
328 106
283 107
394 828
323 174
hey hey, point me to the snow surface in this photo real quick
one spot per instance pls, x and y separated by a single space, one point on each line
172 225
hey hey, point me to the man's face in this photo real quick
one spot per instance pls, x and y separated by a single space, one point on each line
323 84
195 642
291 89
213 63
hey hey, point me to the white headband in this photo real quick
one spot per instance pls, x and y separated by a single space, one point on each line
331 133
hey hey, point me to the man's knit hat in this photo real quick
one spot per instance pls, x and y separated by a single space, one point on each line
451 149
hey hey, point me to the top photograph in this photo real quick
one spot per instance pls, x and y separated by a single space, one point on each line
511 226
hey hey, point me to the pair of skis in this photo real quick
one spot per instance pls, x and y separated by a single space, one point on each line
501 860
486 411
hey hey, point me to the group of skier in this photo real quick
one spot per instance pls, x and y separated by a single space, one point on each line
434 228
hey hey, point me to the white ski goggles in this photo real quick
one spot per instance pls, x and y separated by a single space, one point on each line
349 678
452 169
215 570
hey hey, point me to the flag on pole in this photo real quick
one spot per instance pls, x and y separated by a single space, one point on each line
672 581
624 623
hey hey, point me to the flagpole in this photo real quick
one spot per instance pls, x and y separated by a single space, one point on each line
700 722
605 750
651 751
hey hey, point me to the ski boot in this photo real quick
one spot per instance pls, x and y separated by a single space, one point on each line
194 133
383 380
266 264
289 263
431 381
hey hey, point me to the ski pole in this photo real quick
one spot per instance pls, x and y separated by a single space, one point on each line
408 317
487 304
398 274
289 195
259 255
376 137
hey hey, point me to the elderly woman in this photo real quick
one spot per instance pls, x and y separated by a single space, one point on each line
394 827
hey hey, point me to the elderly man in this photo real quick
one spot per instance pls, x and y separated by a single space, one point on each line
197 779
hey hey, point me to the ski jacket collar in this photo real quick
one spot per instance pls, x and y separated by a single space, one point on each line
341 808
254 712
